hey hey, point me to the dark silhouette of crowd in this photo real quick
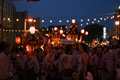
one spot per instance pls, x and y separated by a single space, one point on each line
68 62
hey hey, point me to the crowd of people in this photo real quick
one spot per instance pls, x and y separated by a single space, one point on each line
69 62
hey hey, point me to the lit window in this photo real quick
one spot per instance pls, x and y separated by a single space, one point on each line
88 19
8 19
42 29
17 19
4 19
65 26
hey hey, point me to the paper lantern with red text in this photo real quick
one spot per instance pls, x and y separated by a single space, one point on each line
18 39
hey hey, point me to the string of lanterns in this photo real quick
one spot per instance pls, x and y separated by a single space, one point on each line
88 20
81 20
12 30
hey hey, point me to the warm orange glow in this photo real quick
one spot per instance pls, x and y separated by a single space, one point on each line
18 40
80 40
118 16
55 28
30 20
61 31
86 33
117 22
63 35
82 31
52 42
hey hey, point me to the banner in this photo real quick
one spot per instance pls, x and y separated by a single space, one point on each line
65 41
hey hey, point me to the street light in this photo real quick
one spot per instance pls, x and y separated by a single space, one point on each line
117 23
29 20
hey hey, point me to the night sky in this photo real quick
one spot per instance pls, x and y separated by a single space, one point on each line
67 9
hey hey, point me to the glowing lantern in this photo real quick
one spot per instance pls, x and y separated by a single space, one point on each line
82 31
55 28
24 39
61 31
73 21
52 42
18 39
32 29
86 33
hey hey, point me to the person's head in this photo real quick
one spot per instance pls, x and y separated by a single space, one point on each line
39 52
105 48
99 50
61 50
68 49
94 50
5 47
20 51
82 47
56 50
48 49
13 53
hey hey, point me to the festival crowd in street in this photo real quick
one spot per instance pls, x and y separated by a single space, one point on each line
68 62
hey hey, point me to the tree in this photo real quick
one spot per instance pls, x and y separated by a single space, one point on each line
94 31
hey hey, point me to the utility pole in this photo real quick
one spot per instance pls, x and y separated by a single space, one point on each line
2 21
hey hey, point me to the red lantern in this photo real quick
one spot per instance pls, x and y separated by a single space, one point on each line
18 39
86 33
24 39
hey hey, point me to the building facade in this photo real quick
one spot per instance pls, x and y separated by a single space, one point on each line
13 22
117 23
8 10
